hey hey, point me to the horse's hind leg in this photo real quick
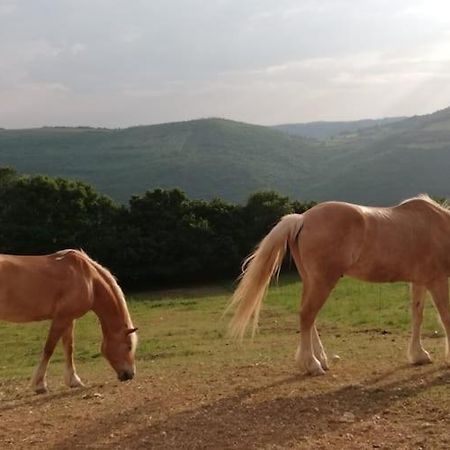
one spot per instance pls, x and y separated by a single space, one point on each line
439 292
319 351
70 376
416 353
314 296
39 382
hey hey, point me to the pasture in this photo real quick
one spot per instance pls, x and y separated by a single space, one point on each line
197 389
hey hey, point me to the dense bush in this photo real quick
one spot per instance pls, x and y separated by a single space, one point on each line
160 237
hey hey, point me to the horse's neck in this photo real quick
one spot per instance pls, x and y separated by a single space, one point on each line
110 310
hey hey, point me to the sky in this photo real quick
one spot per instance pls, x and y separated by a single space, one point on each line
119 63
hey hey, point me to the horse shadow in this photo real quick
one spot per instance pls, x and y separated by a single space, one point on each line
37 400
238 422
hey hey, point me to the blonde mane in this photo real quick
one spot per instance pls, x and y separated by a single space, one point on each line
110 281
445 205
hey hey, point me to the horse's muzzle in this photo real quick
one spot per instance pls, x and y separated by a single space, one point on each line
126 375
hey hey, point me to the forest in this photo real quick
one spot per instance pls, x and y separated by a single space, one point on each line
158 238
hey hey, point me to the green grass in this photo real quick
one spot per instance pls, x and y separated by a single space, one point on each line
358 304
185 328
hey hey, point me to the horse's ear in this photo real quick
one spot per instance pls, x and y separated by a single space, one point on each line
131 330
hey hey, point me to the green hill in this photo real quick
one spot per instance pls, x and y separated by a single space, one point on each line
326 130
384 164
214 157
205 158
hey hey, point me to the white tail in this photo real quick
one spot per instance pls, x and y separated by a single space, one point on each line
257 272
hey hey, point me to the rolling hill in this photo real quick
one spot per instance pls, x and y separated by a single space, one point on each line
388 163
205 158
215 157
326 130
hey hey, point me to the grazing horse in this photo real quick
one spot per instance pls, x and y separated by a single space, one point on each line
62 287
408 242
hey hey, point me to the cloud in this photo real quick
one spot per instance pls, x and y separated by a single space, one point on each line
261 60
7 7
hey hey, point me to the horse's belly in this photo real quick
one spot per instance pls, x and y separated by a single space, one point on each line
15 310
21 316
380 273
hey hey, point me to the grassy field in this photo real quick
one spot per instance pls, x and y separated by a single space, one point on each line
196 389
186 325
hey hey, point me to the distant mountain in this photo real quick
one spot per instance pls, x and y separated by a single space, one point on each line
325 130
205 158
391 161
387 163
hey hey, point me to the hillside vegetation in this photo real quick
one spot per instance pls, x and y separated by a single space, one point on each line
389 163
326 130
208 158
205 158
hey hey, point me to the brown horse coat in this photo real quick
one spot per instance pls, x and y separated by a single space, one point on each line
408 242
62 287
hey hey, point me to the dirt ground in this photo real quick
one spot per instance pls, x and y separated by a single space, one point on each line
373 402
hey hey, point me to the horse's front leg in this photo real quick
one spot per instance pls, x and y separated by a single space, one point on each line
39 382
416 353
70 376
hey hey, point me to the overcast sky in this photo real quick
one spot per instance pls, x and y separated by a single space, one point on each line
118 63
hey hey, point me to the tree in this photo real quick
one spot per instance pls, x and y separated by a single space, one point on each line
161 237
262 211
39 215
221 240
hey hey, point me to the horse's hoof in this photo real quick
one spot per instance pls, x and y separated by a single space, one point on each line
318 371
314 368
41 390
324 364
422 359
75 382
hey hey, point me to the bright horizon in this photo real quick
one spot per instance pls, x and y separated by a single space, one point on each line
115 64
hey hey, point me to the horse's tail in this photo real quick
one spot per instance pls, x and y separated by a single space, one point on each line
257 271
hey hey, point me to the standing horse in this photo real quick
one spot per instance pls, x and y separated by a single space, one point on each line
408 242
62 287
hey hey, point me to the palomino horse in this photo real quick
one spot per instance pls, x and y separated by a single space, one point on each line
408 242
62 287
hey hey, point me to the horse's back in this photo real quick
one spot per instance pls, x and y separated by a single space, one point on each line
406 242
409 241
37 287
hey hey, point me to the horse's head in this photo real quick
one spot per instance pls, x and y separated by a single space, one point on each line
119 348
